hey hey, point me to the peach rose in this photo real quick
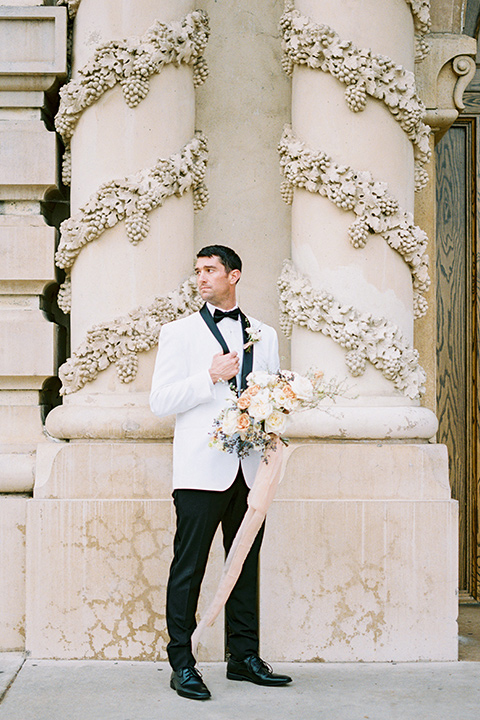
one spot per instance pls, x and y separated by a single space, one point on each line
244 400
252 391
243 422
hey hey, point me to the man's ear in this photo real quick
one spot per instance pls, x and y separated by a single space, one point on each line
234 276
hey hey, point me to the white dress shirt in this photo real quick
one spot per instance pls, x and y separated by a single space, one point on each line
233 335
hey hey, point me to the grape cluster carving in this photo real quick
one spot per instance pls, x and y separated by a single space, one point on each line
365 337
132 199
118 342
377 211
421 20
131 63
364 73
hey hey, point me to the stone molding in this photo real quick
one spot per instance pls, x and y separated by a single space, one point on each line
443 77
132 199
364 73
18 75
120 340
353 190
365 337
131 63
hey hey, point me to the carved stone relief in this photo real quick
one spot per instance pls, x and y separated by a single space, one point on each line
356 191
120 340
132 199
364 73
364 336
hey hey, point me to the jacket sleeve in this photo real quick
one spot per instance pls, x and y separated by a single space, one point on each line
174 389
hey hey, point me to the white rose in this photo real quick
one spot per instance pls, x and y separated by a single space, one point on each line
260 378
229 422
302 387
276 423
261 406
283 400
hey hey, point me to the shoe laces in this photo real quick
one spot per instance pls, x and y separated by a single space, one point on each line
258 664
190 672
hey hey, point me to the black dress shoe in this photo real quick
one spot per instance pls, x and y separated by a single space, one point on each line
255 670
189 684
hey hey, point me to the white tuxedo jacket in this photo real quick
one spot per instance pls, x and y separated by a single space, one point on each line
182 386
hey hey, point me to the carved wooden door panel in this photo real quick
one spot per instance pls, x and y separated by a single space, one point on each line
458 298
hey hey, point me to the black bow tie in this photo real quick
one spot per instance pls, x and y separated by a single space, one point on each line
219 314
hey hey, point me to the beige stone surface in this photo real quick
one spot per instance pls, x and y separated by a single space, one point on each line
16 358
12 572
371 581
96 577
17 470
26 251
104 470
365 471
27 158
19 424
242 108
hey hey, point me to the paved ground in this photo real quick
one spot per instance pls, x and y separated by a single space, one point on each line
95 690
92 690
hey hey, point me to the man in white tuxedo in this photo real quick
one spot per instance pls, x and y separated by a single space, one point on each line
198 358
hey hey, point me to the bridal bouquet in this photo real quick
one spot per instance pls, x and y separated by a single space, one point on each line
255 419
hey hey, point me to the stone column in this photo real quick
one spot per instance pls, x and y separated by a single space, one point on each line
357 242
117 245
101 522
32 57
372 576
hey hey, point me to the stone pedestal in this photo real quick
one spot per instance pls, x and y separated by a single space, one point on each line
100 534
372 574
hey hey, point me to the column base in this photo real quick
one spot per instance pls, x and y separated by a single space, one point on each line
99 546
365 423
360 556
80 422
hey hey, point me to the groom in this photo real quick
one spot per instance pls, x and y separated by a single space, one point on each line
198 358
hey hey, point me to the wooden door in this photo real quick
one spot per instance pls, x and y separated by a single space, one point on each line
458 263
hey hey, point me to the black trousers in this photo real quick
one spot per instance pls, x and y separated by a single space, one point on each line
199 513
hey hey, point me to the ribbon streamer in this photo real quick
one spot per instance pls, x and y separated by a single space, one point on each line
260 497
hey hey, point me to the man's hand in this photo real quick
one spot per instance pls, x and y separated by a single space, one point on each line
224 367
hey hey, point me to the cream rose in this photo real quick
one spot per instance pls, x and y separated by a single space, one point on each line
302 387
260 378
261 406
229 422
276 423
284 399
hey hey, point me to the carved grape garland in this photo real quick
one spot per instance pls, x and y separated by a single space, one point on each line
421 20
132 199
362 335
364 73
131 63
376 210
119 341
72 6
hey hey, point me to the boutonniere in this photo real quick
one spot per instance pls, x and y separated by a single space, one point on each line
254 335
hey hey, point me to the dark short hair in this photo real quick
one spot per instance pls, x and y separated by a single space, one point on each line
228 257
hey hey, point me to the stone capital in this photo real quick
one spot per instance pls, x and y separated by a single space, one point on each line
443 76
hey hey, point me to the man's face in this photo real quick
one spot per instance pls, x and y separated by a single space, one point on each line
215 285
